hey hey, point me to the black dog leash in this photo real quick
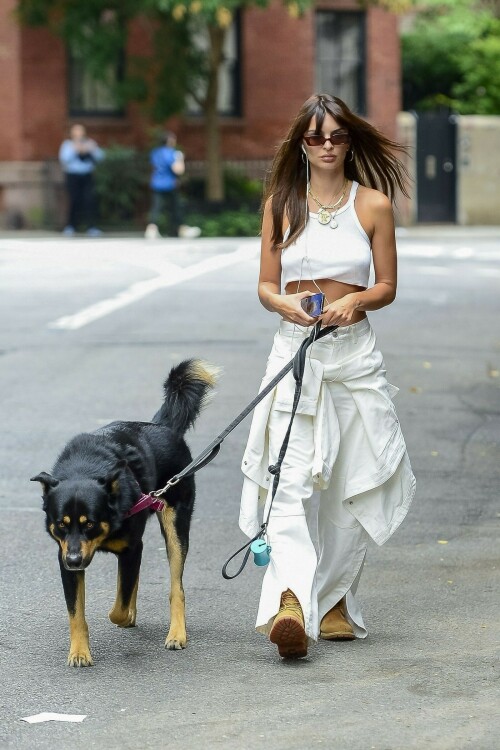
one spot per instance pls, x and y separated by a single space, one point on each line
274 469
211 451
297 364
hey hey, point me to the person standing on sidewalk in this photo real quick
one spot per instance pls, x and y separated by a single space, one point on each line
327 216
78 156
167 166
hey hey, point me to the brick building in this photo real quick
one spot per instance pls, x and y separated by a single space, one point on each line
273 63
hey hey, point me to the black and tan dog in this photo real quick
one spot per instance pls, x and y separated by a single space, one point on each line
97 479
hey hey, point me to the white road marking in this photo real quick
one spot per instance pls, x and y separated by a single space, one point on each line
176 275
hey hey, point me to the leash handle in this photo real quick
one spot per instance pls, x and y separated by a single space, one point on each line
225 574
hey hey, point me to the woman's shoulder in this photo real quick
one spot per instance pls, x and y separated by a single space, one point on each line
273 218
372 200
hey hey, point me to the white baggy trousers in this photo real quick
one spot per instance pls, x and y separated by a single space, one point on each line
345 441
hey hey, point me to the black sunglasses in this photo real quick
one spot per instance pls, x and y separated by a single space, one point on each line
336 139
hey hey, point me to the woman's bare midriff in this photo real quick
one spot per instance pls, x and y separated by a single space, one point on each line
333 290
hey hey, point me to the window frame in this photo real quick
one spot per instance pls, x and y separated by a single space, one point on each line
361 106
117 112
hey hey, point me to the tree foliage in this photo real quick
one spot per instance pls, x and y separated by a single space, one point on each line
451 56
478 91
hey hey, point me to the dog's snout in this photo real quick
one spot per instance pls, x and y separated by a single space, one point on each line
74 560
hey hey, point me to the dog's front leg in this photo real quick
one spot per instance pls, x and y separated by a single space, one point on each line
74 593
176 551
124 610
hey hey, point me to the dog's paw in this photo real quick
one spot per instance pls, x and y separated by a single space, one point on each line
123 618
175 641
80 658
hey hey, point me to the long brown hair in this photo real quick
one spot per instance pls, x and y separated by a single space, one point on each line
373 164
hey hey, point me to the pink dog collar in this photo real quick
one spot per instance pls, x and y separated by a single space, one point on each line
145 501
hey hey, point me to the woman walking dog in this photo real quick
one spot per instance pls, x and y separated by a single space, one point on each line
327 215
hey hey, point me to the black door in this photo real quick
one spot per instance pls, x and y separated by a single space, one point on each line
436 167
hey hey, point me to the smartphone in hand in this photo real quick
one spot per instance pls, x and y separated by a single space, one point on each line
313 305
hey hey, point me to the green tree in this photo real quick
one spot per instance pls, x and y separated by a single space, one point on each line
451 56
478 91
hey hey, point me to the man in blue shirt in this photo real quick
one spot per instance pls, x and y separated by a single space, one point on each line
78 156
168 165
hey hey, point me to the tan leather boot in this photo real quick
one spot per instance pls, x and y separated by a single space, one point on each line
288 631
335 626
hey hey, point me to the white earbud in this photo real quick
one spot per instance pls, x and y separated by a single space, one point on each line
304 149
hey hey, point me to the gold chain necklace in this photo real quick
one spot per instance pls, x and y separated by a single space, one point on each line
328 205
326 214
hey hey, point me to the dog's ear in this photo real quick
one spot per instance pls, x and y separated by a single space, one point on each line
112 481
47 481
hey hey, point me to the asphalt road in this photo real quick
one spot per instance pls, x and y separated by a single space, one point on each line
88 331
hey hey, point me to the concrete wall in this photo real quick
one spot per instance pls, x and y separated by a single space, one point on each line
406 208
31 194
478 169
478 160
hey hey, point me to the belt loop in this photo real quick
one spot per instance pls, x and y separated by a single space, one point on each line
356 331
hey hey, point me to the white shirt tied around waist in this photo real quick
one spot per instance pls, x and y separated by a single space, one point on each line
320 252
359 368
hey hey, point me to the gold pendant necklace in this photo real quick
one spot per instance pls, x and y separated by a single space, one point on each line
326 214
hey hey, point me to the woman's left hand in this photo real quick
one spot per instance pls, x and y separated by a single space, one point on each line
340 312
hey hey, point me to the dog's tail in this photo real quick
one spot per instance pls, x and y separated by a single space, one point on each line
188 388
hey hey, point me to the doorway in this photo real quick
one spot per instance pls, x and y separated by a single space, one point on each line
436 167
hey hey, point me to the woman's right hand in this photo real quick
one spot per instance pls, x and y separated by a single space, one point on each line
288 306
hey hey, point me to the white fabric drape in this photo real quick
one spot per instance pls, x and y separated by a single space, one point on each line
346 441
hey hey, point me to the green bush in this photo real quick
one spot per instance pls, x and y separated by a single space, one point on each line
238 216
240 188
240 193
122 185
242 223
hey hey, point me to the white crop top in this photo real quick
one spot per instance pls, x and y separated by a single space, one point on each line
321 252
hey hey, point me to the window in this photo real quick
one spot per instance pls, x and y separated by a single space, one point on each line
89 96
340 56
229 100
